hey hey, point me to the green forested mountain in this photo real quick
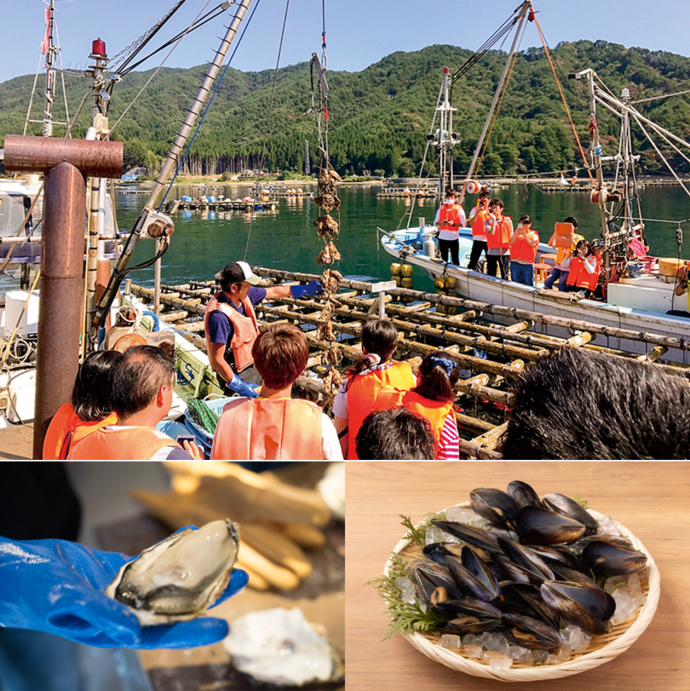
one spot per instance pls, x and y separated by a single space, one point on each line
380 116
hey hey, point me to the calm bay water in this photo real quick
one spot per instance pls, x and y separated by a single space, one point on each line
204 243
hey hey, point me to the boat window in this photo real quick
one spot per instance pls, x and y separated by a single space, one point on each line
13 208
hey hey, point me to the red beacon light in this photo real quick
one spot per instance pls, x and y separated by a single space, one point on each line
446 70
98 48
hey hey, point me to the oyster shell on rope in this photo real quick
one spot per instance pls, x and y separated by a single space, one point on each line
327 227
330 280
324 332
327 201
279 646
328 179
328 254
332 356
332 380
180 577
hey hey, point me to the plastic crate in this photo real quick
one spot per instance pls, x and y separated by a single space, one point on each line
203 438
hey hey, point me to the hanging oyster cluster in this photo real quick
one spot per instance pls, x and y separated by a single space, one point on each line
328 230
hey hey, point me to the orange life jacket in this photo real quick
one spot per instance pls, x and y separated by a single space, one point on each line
245 329
521 251
435 412
128 444
479 223
67 428
449 215
362 392
579 277
260 429
501 235
563 252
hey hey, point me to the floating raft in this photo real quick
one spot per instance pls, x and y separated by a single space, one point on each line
491 356
396 193
175 205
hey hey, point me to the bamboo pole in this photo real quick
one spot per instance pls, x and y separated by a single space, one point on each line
471 449
472 424
493 439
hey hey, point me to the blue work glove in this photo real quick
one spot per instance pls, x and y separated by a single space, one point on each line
313 288
243 389
58 587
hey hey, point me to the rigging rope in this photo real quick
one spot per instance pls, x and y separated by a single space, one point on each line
565 104
268 121
158 69
213 96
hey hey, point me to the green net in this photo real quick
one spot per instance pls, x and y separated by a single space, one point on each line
200 414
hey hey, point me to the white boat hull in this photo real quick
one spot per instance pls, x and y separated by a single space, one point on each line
482 288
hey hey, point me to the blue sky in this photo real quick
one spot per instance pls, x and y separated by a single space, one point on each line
360 32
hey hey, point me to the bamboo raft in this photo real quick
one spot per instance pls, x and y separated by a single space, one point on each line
491 356
174 205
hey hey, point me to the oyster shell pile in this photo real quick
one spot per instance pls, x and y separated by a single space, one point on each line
181 577
525 568
327 227
328 254
279 646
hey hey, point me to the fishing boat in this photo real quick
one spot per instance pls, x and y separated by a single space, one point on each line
635 293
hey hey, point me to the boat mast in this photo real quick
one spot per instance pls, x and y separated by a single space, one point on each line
50 74
148 215
520 20
446 138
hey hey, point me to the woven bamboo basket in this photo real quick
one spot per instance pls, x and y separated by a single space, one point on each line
601 648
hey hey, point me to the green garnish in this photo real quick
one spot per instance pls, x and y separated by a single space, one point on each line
579 500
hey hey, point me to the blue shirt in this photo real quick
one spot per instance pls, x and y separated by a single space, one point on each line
220 328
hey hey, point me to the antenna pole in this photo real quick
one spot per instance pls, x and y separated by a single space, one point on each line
50 75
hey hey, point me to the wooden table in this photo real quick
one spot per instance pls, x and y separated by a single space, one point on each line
651 499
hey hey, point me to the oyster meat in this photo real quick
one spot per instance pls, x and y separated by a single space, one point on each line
279 646
181 577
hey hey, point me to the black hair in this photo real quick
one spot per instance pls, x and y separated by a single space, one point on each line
379 337
138 378
484 194
577 404
91 395
571 219
496 202
395 435
435 383
525 219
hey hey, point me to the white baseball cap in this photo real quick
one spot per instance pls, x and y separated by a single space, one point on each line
237 272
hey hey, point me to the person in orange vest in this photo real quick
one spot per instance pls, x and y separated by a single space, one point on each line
682 288
231 326
560 271
90 407
275 426
395 434
355 399
142 394
583 269
499 230
449 218
523 252
478 218
431 399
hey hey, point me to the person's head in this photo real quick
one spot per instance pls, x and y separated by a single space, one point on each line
526 221
484 198
143 379
573 220
496 207
583 248
451 196
280 355
91 395
395 435
237 278
577 404
379 342
437 376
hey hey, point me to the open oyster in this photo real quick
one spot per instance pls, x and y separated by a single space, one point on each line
180 577
279 646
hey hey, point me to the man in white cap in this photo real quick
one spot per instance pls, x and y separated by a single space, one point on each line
232 326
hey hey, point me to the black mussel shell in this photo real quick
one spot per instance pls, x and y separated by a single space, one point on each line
476 537
557 556
607 559
528 599
543 527
528 632
511 571
473 576
585 607
438 551
501 532
563 573
528 560
462 625
432 576
494 505
610 539
470 607
523 494
568 507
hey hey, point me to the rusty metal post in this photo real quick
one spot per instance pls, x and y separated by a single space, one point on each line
65 163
